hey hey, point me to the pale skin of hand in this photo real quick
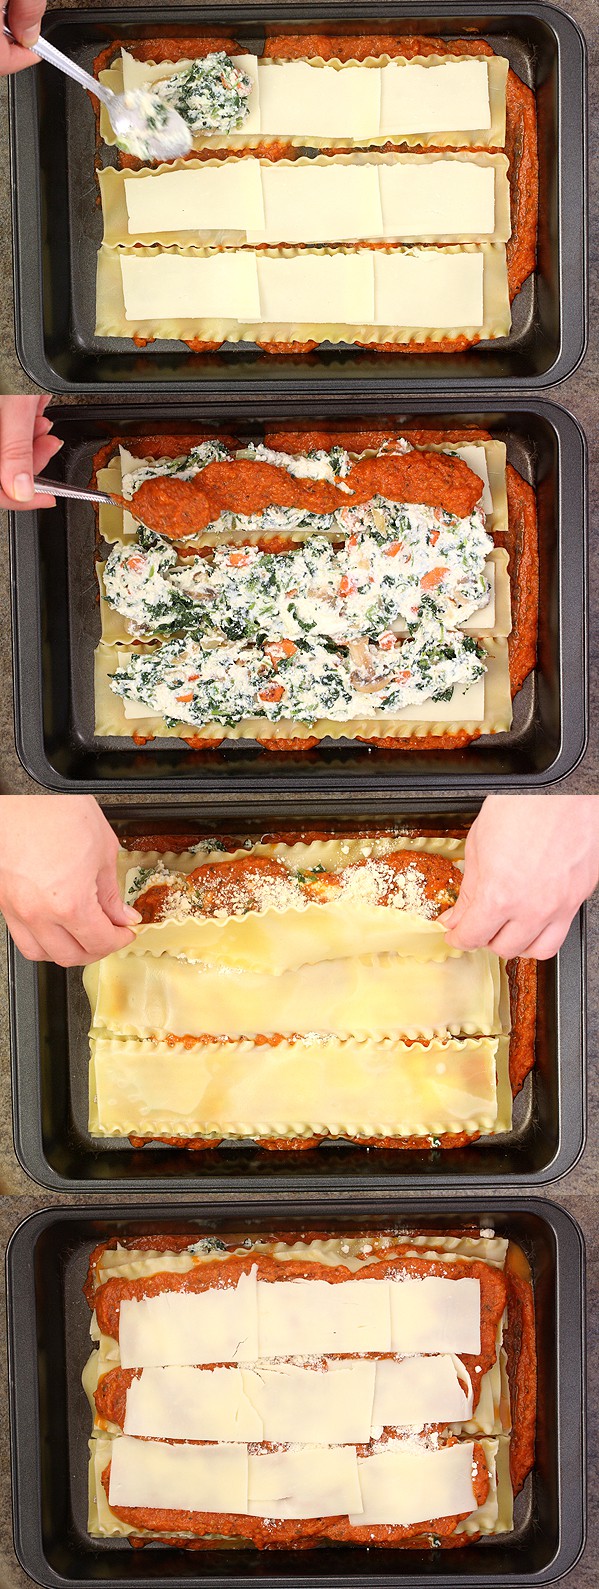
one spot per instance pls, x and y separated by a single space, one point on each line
23 17
26 446
530 862
59 892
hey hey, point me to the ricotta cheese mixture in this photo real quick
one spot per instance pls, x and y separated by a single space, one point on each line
211 94
183 468
398 562
369 624
186 681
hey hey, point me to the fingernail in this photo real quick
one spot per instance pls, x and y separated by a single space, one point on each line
133 915
30 37
22 487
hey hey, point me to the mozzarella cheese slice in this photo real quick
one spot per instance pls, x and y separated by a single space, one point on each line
178 1327
309 1317
407 1483
317 289
212 286
435 1315
319 204
412 1392
297 100
227 196
451 97
441 198
180 1477
183 1403
425 287
315 1481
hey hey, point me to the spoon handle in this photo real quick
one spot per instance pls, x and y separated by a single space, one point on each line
52 488
48 52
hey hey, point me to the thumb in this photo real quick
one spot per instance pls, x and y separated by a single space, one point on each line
24 18
120 914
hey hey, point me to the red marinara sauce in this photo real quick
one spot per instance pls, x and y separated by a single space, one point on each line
179 508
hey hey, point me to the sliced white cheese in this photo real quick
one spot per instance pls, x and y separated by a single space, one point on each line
325 1406
311 1317
407 1483
186 1403
194 287
426 287
317 289
227 196
180 1477
411 1392
443 198
435 1315
328 1405
451 97
319 204
316 1481
178 1327
299 100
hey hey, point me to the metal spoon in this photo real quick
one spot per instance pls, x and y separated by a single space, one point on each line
55 488
128 112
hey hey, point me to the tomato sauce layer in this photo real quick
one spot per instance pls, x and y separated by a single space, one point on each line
237 886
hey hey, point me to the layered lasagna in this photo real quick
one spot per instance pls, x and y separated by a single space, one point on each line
260 1392
291 992
379 192
368 585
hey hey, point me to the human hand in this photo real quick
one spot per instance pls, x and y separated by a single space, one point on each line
23 17
531 860
26 446
59 893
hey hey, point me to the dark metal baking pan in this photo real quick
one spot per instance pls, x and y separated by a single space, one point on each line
57 225
48 1323
50 1054
56 626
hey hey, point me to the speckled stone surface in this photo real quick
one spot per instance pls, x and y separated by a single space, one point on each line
579 1191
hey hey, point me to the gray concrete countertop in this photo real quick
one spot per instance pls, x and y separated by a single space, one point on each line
578 1192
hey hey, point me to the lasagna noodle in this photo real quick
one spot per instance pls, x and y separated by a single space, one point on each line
494 620
494 1516
430 198
487 458
346 295
475 711
420 84
133 1263
276 940
146 996
332 1088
